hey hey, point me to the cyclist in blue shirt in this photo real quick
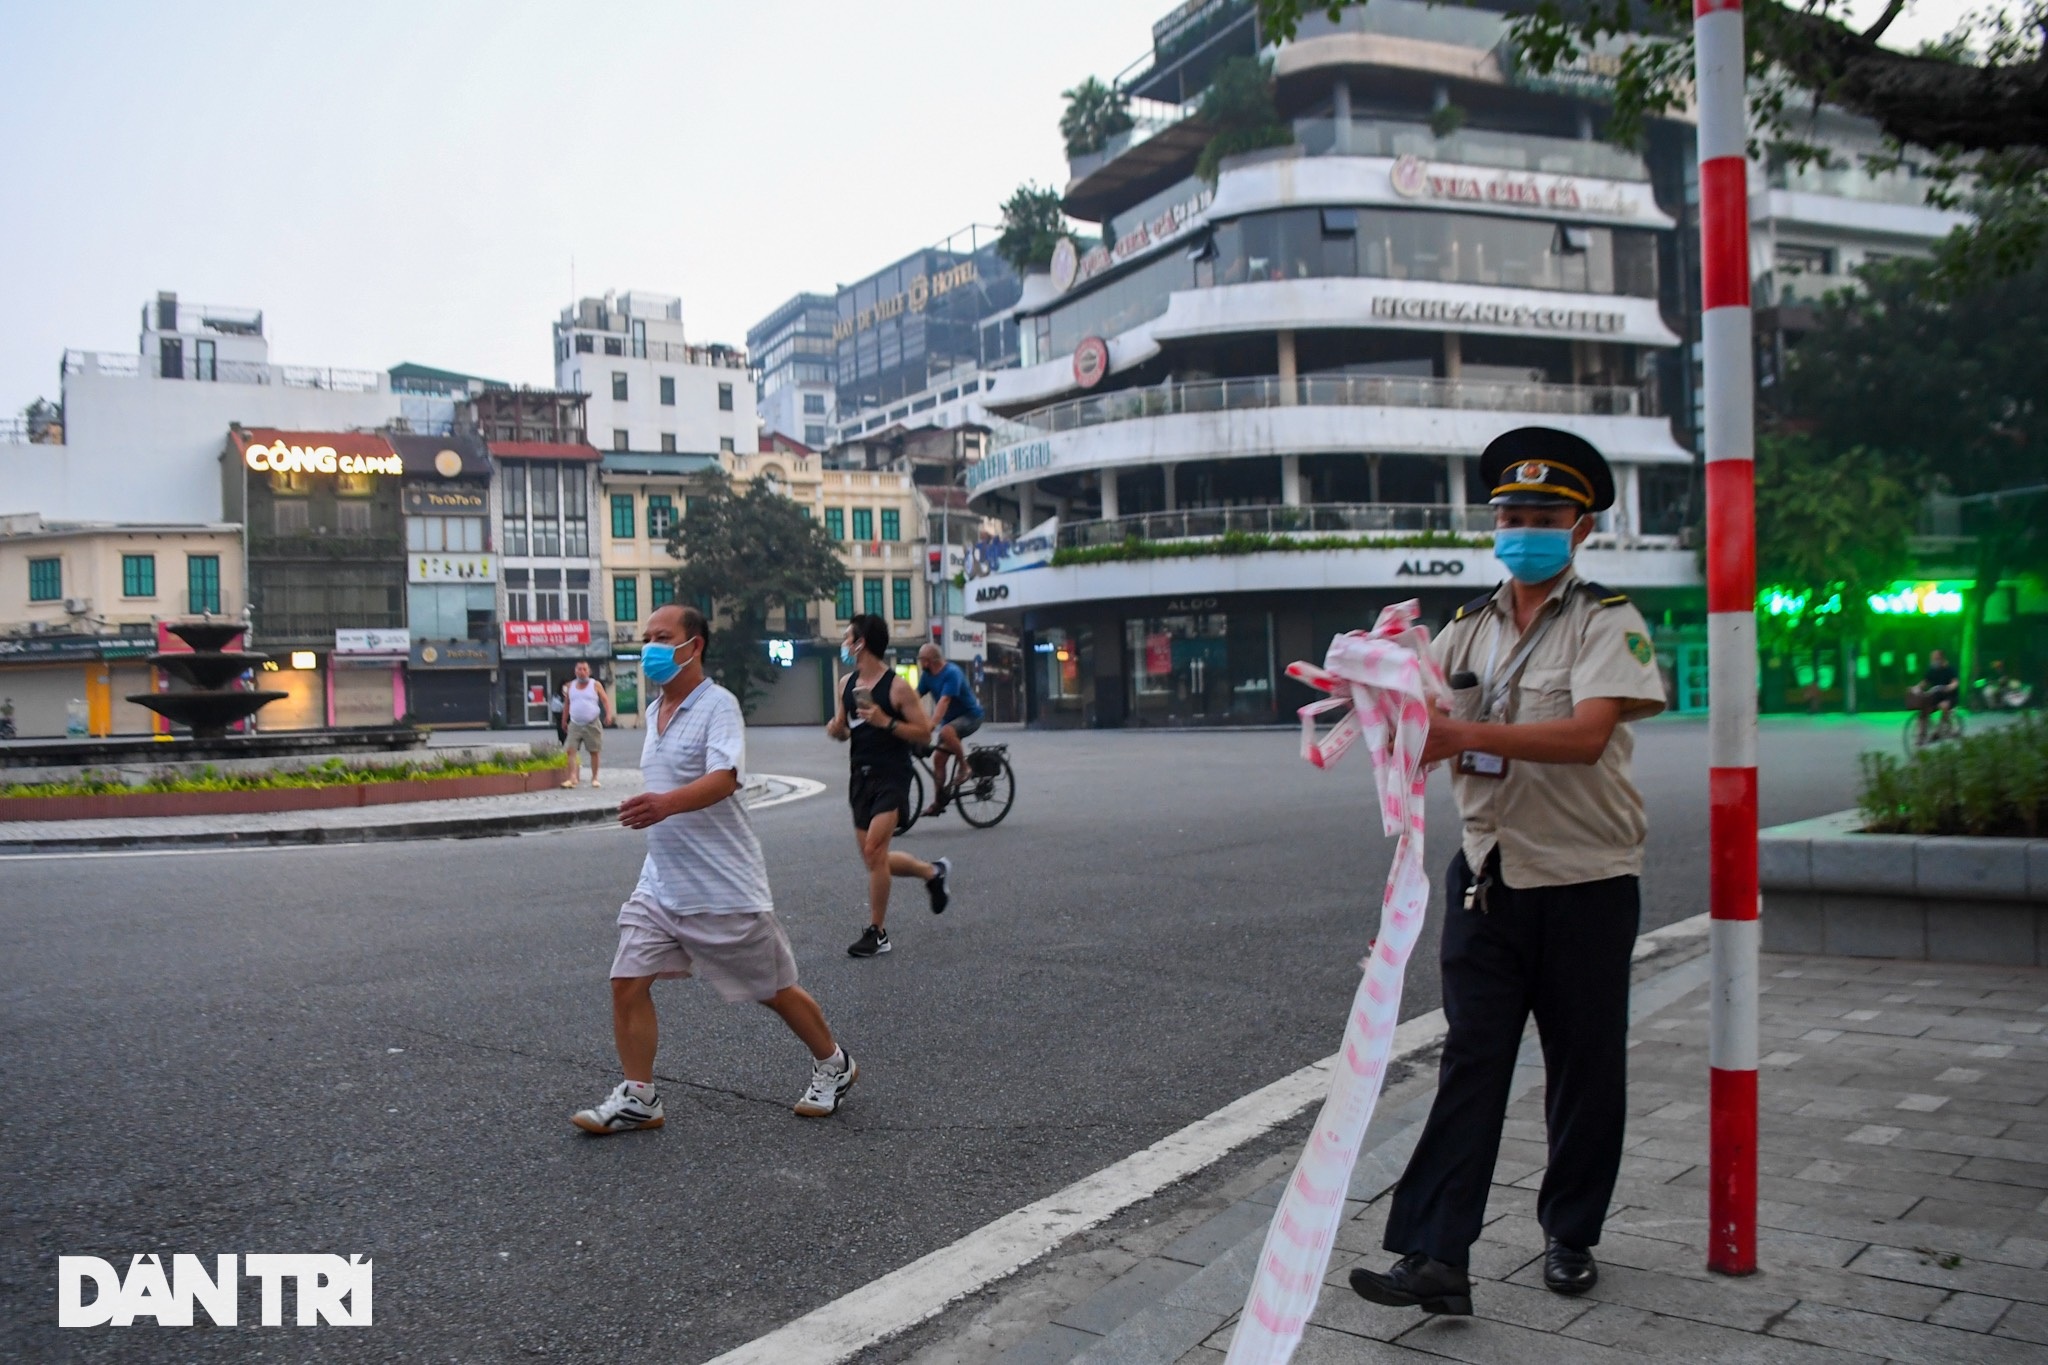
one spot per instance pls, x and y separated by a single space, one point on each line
955 715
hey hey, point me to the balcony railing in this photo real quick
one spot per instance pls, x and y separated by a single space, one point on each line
129 365
1325 518
1364 519
1469 147
1361 390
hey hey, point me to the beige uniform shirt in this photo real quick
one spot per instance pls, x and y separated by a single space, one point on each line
1556 823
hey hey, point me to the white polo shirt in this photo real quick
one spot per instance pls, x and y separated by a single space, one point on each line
702 862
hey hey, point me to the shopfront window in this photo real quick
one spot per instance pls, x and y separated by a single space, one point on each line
1377 243
1200 668
1056 664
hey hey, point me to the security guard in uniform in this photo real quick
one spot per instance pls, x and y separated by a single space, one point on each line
1545 672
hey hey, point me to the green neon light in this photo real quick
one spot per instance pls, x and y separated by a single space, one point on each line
1919 599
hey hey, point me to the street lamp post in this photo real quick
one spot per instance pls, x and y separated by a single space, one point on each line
1725 343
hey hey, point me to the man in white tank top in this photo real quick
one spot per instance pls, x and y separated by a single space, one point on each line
589 711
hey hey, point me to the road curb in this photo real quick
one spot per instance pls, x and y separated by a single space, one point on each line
764 791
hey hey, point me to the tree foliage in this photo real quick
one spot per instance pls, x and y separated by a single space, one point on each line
1832 527
1950 386
1238 107
1033 223
1095 113
747 553
1977 100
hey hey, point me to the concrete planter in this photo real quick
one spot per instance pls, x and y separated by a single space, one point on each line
1830 888
120 805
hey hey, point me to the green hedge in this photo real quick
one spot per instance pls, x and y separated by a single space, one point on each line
332 773
1994 782
1260 542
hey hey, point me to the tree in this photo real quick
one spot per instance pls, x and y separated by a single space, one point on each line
1033 223
747 554
1095 114
1978 100
1951 386
1238 106
1831 529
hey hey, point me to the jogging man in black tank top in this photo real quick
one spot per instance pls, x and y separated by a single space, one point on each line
880 714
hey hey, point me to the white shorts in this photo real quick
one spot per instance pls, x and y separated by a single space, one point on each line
744 956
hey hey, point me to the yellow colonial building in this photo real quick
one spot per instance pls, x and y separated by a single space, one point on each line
80 603
877 518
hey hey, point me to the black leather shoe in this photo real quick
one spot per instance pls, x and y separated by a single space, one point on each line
1415 1281
1568 1270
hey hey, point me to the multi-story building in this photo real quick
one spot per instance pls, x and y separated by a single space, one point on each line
875 516
325 550
1812 225
544 502
1307 359
80 603
142 430
428 397
915 343
648 387
451 579
793 354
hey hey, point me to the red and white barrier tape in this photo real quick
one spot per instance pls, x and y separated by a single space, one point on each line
1387 679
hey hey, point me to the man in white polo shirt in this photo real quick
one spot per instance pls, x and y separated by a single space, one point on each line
702 905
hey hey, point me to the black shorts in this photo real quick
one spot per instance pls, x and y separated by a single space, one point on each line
873 792
962 726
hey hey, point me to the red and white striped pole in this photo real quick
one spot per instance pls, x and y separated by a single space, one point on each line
1731 632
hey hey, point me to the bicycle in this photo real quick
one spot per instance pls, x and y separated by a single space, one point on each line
983 796
1941 725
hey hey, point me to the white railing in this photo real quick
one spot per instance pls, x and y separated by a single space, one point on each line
1367 390
129 365
1365 519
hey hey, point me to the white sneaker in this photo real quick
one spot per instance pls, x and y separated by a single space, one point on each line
827 1086
621 1111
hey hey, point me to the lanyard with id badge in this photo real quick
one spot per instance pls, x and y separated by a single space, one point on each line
1495 689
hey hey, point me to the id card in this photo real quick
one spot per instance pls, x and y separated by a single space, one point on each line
1474 763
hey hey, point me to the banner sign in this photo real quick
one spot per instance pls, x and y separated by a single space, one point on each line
373 642
525 634
456 568
454 654
1031 549
1389 681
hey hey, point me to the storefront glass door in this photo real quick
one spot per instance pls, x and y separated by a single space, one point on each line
536 694
1206 668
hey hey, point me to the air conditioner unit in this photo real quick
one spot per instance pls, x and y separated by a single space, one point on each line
77 606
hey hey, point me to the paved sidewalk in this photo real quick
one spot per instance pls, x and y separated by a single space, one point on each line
1903 1201
470 817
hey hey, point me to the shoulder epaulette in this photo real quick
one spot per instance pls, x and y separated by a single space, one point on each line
1474 605
1607 596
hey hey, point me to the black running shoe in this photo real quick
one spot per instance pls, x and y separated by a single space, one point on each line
936 887
872 941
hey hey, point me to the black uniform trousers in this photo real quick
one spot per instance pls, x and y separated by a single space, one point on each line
1562 952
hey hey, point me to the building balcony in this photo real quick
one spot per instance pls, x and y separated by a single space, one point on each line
1265 417
1469 147
1361 391
1395 548
129 365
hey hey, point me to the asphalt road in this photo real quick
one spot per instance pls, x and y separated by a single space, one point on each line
375 1050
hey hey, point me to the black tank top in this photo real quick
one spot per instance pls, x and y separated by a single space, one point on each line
874 748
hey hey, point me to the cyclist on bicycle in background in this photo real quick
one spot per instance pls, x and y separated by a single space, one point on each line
1939 686
955 715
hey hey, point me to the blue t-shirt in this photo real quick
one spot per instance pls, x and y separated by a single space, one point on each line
951 682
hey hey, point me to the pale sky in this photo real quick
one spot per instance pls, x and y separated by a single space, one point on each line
397 180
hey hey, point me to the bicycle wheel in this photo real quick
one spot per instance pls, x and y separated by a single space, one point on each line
905 821
984 801
1911 739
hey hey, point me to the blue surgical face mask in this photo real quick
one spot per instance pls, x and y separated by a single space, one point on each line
846 655
1534 554
658 664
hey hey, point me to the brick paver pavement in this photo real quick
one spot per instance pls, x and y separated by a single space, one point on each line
1903 1202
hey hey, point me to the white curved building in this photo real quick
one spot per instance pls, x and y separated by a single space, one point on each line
1251 418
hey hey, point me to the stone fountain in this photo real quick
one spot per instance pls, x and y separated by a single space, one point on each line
212 705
